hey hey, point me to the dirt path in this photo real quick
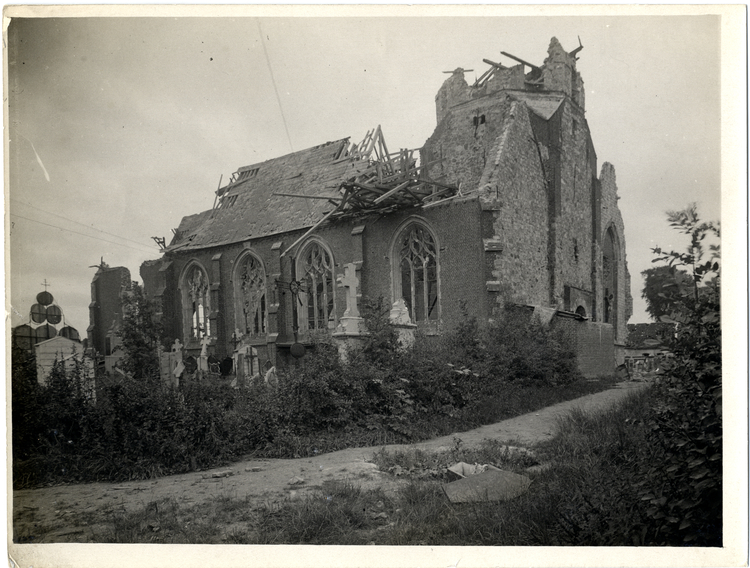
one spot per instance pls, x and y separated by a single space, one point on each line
41 514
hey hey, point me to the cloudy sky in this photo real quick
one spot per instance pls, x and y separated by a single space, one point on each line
119 127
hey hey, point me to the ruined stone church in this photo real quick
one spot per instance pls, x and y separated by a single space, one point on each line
504 204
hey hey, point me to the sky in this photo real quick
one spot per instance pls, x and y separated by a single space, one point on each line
118 127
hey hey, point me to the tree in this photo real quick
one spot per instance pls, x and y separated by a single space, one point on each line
702 271
140 334
663 287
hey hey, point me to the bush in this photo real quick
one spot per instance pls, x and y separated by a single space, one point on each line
684 486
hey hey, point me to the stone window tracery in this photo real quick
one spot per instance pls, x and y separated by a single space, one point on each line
250 294
196 298
315 271
417 273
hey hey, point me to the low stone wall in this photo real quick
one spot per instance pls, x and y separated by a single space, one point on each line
594 345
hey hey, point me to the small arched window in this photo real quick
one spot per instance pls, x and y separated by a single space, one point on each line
196 302
315 272
250 295
415 271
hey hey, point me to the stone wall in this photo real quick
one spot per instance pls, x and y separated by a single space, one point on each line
573 251
366 242
107 287
513 192
464 139
593 343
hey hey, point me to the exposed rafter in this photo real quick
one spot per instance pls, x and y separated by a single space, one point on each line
391 181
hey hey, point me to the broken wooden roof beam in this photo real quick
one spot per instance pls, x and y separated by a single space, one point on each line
329 198
513 57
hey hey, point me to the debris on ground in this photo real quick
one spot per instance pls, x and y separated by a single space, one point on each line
490 485
462 470
218 474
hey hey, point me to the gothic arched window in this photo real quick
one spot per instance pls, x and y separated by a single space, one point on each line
415 271
609 277
250 295
196 301
315 272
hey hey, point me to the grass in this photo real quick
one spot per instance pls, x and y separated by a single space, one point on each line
582 499
515 400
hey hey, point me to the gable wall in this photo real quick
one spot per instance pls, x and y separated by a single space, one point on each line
464 147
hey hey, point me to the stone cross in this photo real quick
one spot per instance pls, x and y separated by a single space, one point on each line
177 347
349 281
204 346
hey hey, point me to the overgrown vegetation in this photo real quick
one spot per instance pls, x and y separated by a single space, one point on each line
684 487
646 473
137 427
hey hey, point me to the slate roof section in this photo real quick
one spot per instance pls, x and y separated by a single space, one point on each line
543 104
248 208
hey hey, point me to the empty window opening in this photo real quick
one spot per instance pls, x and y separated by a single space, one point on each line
609 277
315 265
478 120
251 296
418 272
197 302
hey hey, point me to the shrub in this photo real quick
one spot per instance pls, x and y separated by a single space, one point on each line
139 427
684 487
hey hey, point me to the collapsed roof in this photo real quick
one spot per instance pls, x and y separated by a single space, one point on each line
307 188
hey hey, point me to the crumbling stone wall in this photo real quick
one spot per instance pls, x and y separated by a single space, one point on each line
560 74
454 90
464 139
502 79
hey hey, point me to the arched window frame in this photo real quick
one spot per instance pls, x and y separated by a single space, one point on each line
430 323
321 277
610 297
250 295
196 302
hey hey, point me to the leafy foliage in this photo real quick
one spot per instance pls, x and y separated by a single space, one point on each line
138 427
684 486
663 288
